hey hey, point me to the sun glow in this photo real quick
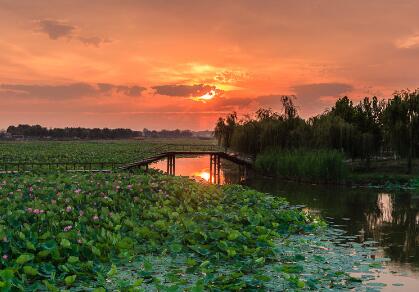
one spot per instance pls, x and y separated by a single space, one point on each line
207 96
203 174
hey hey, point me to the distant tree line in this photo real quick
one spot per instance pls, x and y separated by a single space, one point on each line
369 128
167 133
37 131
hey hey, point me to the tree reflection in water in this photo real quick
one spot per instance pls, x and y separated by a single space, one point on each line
390 218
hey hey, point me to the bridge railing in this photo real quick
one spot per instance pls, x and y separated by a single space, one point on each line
193 147
159 149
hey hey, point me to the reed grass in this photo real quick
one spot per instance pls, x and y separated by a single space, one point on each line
304 165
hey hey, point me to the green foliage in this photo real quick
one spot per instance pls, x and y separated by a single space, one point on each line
355 130
401 122
315 165
225 128
72 151
76 230
369 128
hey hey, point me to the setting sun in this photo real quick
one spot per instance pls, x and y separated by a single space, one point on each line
207 96
204 175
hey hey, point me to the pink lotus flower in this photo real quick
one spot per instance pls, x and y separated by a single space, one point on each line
69 209
78 191
29 210
129 187
36 211
30 189
95 218
68 228
5 257
81 213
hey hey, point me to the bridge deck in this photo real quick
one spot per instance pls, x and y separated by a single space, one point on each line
157 157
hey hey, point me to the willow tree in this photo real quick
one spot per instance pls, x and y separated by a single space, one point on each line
224 129
401 123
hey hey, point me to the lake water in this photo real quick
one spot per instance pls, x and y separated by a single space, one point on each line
391 218
198 168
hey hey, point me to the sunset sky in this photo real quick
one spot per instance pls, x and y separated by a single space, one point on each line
181 64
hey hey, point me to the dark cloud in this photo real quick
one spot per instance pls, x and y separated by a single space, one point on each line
130 90
249 104
185 90
94 41
67 91
317 90
229 76
105 86
126 90
231 103
56 29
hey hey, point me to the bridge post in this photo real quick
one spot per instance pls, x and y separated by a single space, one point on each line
215 169
173 164
211 158
245 172
218 169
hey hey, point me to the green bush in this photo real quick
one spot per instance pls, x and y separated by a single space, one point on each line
314 165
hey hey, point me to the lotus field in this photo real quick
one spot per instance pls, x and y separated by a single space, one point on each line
120 231
72 151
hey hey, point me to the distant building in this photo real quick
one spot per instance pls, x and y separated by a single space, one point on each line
18 137
5 135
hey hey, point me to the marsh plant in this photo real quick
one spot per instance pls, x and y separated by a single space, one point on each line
139 232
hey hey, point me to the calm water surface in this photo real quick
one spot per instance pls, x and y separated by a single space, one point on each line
391 218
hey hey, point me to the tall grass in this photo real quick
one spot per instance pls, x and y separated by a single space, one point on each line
304 165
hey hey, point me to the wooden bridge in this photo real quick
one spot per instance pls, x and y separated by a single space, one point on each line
148 156
171 151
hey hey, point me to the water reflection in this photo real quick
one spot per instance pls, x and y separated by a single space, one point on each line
198 168
385 205
388 218
204 174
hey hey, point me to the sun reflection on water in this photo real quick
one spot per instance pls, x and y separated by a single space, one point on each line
204 174
385 204
196 167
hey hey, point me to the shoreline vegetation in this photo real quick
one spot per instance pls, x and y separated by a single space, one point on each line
349 144
150 232
330 167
